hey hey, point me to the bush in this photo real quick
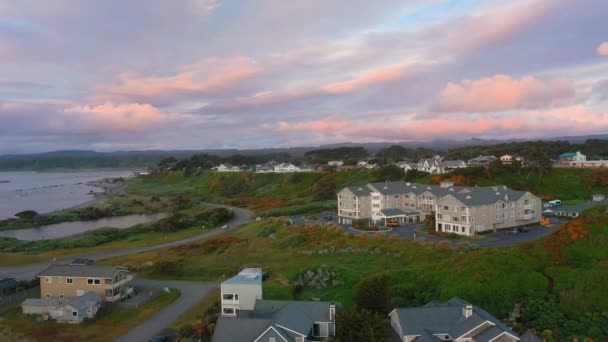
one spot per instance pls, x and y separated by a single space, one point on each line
293 240
266 231
374 294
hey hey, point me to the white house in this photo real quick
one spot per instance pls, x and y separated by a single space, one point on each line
228 168
286 167
335 163
241 291
362 163
430 165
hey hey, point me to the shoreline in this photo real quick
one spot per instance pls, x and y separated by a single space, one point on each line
110 188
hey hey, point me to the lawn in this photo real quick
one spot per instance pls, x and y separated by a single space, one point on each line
108 326
8 259
419 271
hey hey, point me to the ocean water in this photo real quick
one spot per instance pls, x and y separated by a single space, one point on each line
48 191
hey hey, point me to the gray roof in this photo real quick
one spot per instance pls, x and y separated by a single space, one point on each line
42 302
93 271
452 163
445 318
487 195
529 336
293 315
85 301
363 190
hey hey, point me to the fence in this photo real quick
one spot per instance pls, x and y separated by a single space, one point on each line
15 299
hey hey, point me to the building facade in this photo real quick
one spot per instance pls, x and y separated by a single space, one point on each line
457 209
241 291
71 281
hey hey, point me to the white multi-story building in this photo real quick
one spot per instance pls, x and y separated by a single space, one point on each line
241 291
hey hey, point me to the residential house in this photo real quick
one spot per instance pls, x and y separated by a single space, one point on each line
449 165
568 157
71 281
241 291
335 163
286 167
473 210
456 320
430 165
410 202
279 321
576 209
371 166
407 166
72 310
362 163
481 161
228 168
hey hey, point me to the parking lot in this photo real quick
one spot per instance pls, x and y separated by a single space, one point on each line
415 231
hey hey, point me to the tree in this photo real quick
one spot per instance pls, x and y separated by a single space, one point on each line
387 173
395 153
412 175
374 294
324 188
361 325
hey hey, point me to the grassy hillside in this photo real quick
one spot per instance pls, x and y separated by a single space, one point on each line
560 279
264 193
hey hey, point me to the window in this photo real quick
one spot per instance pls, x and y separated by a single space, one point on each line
61 296
439 216
271 339
320 330
229 311
69 280
445 207
455 218
47 295
48 280
90 281
75 313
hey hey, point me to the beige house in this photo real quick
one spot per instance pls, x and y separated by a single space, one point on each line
70 281
478 209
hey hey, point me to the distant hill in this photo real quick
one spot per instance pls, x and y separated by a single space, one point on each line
78 159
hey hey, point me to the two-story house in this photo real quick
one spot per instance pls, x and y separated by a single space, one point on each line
477 209
481 161
279 321
241 291
354 203
455 321
70 281
228 168
286 167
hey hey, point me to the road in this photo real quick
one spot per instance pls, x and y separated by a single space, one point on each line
26 272
191 294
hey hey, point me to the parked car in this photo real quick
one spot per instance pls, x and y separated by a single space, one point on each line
165 335
512 231
524 229
392 224
225 226
265 276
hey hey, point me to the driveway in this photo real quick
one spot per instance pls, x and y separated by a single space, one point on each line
413 231
191 294
26 272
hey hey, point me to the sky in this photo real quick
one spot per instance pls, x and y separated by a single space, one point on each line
195 74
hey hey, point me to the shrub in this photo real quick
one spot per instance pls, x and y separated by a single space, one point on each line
374 294
293 240
266 231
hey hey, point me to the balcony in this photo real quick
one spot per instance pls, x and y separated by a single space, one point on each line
124 281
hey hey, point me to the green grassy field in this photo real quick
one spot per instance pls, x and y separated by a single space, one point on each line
570 265
109 325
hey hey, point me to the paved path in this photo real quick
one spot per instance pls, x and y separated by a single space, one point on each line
191 294
26 272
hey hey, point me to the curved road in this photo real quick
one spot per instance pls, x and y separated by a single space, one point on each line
26 272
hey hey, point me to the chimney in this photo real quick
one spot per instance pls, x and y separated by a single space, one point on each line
446 183
332 312
467 311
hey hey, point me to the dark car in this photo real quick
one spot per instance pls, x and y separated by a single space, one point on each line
265 276
165 335
524 229
512 231
83 262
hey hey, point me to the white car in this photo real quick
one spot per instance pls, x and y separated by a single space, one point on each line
225 226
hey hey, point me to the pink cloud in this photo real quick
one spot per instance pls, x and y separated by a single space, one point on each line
602 49
114 118
367 79
208 75
501 93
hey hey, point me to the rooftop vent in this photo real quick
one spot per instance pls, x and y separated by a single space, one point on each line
468 197
428 188
467 311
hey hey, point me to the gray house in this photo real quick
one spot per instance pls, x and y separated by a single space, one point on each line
73 310
279 321
456 320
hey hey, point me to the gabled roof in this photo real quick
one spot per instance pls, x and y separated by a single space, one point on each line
447 318
568 155
363 190
487 195
84 302
93 271
289 318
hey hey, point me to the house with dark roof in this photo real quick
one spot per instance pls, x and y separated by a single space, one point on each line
279 321
71 281
481 161
449 165
456 320
72 310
